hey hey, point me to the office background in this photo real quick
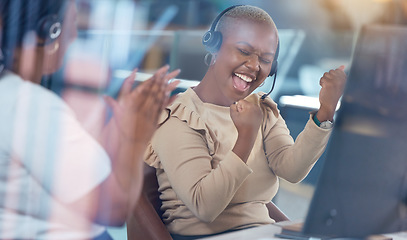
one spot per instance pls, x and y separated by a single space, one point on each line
119 35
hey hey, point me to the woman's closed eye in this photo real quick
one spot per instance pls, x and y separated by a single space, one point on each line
265 60
244 52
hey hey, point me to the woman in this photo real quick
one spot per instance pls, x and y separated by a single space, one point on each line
219 151
56 181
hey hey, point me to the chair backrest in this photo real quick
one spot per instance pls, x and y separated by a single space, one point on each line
146 222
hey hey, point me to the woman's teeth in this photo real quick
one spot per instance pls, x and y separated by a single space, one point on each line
244 77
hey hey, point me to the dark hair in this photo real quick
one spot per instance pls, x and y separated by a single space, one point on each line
18 17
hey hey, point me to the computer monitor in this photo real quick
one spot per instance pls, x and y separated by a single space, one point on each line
362 189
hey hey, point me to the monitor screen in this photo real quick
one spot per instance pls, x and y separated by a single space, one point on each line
362 189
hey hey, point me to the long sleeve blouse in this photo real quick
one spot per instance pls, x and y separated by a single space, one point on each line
206 188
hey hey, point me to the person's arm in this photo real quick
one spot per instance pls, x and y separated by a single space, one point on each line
134 121
187 162
292 161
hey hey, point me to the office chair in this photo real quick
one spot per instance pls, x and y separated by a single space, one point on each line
145 222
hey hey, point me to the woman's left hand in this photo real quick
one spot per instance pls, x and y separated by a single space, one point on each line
333 84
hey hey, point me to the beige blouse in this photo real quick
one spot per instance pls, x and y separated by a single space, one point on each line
205 187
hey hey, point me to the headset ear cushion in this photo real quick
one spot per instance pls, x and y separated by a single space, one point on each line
212 40
49 28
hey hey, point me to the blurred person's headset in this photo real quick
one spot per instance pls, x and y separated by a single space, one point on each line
212 40
48 28
23 16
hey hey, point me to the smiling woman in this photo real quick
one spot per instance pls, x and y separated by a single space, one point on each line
219 151
245 56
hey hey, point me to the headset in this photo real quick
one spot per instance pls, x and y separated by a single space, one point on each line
212 40
49 28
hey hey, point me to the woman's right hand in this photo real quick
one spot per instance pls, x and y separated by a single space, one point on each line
247 118
137 110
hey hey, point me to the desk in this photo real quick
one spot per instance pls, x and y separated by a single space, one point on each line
267 232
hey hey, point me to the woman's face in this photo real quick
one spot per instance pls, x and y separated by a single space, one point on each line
54 52
244 59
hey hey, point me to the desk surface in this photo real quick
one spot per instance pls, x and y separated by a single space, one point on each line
267 232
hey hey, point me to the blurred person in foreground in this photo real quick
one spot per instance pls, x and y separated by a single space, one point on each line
56 181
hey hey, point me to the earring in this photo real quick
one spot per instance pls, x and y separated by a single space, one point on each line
212 60
54 50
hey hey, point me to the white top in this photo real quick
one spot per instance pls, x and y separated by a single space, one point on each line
46 161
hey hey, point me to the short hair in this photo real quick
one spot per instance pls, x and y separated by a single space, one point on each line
247 12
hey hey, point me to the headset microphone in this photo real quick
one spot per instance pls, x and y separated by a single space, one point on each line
272 87
273 71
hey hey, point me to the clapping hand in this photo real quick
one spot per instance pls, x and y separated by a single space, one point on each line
137 110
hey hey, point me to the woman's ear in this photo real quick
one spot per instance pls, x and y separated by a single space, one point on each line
52 48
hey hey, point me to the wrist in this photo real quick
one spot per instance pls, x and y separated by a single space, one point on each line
244 146
324 114
327 124
316 121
